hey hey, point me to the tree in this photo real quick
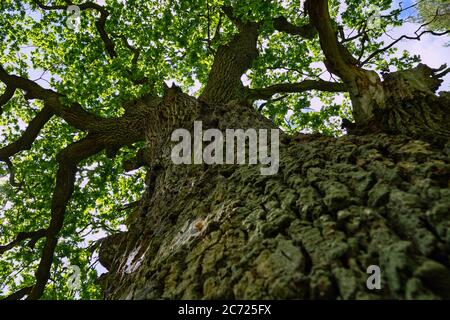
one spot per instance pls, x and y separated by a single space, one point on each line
435 14
99 134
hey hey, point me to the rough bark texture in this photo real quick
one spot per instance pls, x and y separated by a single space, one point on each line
411 106
335 207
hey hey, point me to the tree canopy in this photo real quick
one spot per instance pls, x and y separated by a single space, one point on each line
435 14
64 77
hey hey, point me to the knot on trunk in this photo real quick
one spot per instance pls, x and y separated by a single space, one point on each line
409 84
405 102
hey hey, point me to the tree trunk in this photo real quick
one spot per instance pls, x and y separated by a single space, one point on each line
336 207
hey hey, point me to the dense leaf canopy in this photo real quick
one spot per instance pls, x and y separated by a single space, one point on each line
119 50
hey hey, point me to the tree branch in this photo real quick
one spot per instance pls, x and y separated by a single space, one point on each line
229 12
136 53
6 96
118 131
65 179
126 132
12 175
283 25
34 236
269 101
26 140
103 133
107 39
231 62
100 23
74 115
417 37
19 294
306 85
338 59
364 86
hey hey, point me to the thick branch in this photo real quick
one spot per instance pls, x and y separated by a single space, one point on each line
19 294
32 89
338 59
129 130
364 86
306 85
239 23
28 137
74 115
111 131
68 160
6 96
231 62
283 25
235 58
34 236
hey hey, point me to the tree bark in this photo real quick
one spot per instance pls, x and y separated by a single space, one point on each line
336 207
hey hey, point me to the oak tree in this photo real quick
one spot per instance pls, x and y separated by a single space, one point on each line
85 127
